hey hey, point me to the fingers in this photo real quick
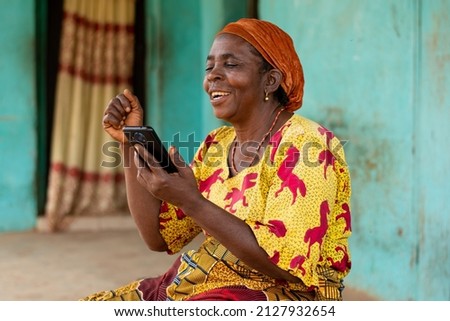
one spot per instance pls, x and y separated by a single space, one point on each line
144 175
138 159
148 158
118 109
111 120
116 112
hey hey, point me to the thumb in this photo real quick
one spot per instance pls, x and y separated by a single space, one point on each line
134 101
177 159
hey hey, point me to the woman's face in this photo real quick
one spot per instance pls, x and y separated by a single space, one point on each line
233 78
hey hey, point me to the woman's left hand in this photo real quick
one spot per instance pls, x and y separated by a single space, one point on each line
178 188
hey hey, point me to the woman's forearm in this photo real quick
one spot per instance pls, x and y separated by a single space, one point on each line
144 207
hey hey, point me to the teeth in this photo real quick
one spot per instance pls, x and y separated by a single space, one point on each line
217 94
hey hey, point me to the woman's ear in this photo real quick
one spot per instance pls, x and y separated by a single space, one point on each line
274 78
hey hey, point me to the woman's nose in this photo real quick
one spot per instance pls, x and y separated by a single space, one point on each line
215 73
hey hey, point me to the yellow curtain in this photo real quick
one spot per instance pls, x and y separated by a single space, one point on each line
96 59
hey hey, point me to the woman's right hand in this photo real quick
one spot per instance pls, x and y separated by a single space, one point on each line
122 110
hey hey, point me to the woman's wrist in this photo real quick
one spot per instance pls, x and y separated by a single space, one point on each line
194 205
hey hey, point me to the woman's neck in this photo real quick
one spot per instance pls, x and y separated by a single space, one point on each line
254 129
249 144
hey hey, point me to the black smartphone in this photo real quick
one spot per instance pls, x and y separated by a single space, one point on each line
147 137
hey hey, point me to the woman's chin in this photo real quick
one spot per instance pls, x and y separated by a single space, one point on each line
220 113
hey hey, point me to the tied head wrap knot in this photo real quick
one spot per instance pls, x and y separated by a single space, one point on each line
277 48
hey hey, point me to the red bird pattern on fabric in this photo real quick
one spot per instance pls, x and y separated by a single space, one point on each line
328 134
316 234
275 141
205 185
326 157
346 216
343 264
209 140
179 213
237 194
288 178
297 263
276 227
275 258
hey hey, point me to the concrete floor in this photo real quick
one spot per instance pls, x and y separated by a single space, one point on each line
40 266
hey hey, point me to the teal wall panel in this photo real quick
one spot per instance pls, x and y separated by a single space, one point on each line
432 185
215 15
181 79
375 75
17 116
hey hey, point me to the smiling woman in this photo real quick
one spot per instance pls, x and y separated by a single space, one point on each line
270 192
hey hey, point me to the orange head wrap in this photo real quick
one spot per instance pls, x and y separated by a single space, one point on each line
277 47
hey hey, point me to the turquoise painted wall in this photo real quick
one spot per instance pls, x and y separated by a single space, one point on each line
17 116
432 157
377 74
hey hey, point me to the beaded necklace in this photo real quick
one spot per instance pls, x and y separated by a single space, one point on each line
233 151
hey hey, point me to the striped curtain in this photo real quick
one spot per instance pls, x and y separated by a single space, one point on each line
95 63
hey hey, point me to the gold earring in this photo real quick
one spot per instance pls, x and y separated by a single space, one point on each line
266 98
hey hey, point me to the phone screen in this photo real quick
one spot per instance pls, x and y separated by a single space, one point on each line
147 137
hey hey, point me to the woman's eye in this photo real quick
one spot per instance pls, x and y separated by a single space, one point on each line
226 65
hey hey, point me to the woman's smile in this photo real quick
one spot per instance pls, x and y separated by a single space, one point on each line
218 97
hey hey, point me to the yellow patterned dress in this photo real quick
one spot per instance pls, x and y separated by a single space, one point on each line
296 200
